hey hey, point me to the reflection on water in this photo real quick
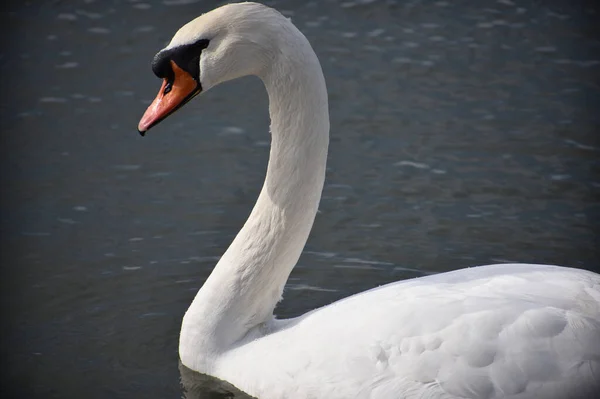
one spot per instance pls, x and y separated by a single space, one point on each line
462 134
201 386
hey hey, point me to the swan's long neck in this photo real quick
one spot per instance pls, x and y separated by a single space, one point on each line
248 281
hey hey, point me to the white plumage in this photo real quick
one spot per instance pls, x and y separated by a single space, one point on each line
514 330
497 331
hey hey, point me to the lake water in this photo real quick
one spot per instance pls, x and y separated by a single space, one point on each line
463 133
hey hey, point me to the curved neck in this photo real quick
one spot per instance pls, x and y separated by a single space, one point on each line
248 281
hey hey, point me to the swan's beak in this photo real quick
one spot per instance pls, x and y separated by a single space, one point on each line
172 95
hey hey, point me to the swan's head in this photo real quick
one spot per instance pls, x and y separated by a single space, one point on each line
229 42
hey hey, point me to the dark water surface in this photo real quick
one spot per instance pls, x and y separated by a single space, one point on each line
463 133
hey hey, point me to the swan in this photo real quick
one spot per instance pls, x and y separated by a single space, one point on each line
495 331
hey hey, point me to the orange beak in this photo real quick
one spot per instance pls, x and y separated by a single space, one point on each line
172 95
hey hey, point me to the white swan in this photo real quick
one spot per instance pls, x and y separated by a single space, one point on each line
511 330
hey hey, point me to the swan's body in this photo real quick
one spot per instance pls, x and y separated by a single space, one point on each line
512 330
522 331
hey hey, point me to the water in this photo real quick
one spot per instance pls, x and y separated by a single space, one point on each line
463 133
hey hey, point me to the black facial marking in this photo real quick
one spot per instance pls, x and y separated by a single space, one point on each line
187 57
162 67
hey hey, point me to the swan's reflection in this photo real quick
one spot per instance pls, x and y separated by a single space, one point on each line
202 386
